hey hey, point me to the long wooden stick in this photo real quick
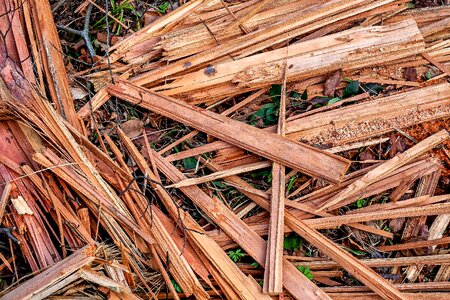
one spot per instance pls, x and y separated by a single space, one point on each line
415 245
273 273
221 174
298 156
428 210
437 259
4 200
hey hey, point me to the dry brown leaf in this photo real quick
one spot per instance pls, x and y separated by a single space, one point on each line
133 128
331 83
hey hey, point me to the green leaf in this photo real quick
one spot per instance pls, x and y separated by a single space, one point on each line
372 88
305 95
275 93
361 203
265 175
428 75
254 264
356 252
176 286
163 8
334 100
292 242
236 255
291 183
219 184
351 89
189 163
306 271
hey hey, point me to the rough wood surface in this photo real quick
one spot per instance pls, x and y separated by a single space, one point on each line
300 157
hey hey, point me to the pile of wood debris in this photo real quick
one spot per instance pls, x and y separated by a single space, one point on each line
354 99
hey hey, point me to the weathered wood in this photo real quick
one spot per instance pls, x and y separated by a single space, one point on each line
359 121
150 31
437 259
349 263
273 273
318 197
221 174
297 156
52 60
38 286
223 265
224 113
247 239
415 245
427 186
347 50
387 167
4 199
428 210
328 9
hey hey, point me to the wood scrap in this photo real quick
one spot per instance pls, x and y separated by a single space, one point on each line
237 133
388 167
347 101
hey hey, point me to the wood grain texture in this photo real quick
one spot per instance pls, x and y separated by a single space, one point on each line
301 157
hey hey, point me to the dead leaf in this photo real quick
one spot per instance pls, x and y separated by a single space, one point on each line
396 225
102 36
397 145
410 74
133 128
366 155
331 83
78 93
150 16
424 232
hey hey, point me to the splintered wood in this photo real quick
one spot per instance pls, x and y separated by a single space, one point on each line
276 149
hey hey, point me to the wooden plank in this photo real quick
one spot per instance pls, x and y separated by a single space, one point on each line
412 202
347 50
435 27
358 121
152 29
51 51
227 112
316 198
387 167
123 291
370 278
294 155
273 273
413 226
415 245
372 296
437 259
428 210
328 9
165 244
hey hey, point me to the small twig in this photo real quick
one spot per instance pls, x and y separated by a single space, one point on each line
84 33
